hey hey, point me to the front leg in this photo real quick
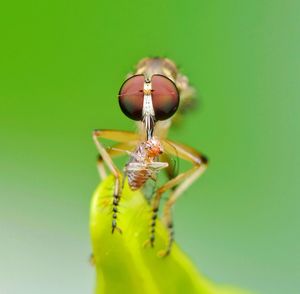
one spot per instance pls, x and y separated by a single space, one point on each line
117 136
115 151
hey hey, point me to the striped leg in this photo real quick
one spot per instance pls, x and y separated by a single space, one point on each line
181 182
120 136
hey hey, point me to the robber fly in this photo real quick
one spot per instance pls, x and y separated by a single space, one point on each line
152 96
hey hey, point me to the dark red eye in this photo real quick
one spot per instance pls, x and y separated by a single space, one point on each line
165 97
131 97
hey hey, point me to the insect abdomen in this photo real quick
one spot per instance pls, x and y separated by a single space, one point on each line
137 179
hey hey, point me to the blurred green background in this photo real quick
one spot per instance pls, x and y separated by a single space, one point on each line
61 66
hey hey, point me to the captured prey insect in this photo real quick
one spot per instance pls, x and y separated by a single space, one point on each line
153 96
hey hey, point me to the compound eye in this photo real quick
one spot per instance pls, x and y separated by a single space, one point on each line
131 97
165 97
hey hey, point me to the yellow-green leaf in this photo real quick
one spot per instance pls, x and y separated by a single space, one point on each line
125 265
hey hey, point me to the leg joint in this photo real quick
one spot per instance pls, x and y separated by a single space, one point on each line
202 160
96 132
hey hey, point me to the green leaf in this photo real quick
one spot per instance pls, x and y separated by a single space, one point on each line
124 264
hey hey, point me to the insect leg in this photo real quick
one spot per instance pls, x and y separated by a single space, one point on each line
116 136
181 182
116 150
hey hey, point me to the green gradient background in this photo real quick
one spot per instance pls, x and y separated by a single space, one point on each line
61 65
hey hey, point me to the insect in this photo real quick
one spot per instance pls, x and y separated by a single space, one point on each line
154 96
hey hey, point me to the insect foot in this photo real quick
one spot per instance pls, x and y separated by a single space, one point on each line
115 227
163 253
167 251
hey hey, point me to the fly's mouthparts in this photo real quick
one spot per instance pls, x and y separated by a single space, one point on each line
149 126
